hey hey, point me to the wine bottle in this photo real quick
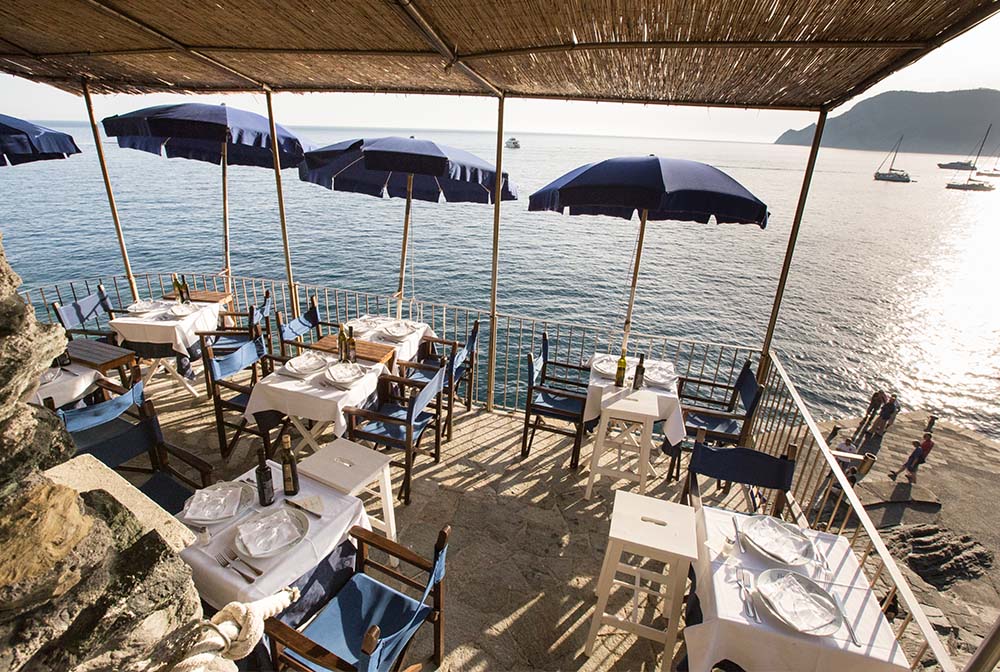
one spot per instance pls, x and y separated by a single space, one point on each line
289 467
265 485
342 344
640 372
352 346
185 292
620 371
177 288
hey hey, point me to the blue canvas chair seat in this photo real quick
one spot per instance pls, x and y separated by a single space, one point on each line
555 397
713 425
724 412
368 625
400 423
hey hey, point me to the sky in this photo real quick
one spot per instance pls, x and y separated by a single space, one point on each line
968 62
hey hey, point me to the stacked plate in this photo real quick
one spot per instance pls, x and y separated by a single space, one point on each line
605 365
798 602
306 364
363 325
344 374
218 503
778 541
271 533
398 330
182 310
661 374
144 306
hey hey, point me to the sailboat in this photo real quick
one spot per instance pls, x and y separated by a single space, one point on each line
971 184
893 174
993 172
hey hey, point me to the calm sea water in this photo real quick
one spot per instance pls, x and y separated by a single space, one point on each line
892 286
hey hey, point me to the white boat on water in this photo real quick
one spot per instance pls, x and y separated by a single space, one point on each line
958 165
972 184
512 143
893 174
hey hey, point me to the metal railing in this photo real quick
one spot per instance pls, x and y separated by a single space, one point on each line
823 492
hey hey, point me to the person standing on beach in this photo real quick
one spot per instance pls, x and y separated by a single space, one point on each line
886 417
877 400
921 449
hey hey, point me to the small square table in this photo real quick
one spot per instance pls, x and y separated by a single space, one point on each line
624 414
367 350
204 296
101 357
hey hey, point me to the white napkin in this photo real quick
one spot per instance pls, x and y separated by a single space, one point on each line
213 503
776 539
397 331
796 603
270 533
344 373
308 362
49 375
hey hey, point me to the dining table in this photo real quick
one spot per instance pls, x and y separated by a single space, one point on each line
374 329
238 581
752 636
312 397
66 384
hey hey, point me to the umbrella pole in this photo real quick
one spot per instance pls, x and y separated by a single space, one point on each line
292 289
765 355
226 270
107 187
406 237
491 358
635 279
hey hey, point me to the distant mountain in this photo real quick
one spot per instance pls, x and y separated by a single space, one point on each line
943 122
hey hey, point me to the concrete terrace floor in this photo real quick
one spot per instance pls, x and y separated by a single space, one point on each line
526 547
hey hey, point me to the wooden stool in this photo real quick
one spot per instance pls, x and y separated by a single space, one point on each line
627 420
654 529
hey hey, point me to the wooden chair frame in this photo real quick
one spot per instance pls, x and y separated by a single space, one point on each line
84 331
284 636
717 408
575 419
283 345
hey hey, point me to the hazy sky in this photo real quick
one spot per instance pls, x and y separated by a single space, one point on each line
970 61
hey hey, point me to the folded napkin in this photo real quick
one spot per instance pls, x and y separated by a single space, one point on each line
776 539
214 503
269 533
796 603
312 503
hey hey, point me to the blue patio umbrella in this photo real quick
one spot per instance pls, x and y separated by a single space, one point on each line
408 168
23 142
214 133
659 189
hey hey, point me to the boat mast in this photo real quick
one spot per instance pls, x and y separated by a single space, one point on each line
981 145
895 152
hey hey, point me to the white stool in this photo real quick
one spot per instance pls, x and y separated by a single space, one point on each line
627 420
654 529
351 468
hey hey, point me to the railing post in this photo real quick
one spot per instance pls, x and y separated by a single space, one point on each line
107 187
491 361
790 250
275 153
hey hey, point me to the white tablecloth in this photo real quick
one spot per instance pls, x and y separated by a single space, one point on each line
219 586
727 633
181 333
71 383
307 398
601 391
407 348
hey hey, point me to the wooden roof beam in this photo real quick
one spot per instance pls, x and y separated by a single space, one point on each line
412 15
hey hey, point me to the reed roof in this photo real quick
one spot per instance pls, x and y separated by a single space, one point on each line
798 54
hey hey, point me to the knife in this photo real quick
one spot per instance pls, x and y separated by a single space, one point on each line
739 541
301 508
843 615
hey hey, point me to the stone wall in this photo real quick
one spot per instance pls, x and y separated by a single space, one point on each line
82 588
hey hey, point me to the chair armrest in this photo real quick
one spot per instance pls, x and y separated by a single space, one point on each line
714 413
222 332
566 381
290 638
279 359
684 380
560 393
389 378
391 548
417 365
105 384
442 341
234 313
236 387
704 400
567 365
90 332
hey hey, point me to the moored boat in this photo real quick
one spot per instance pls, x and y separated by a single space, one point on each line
958 165
893 174
512 143
970 183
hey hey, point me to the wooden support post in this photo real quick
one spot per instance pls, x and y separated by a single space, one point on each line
793 235
226 268
406 242
281 206
497 191
107 187
635 279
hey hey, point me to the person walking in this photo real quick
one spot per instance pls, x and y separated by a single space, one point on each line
886 416
921 449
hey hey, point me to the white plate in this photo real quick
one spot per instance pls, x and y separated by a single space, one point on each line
143 306
298 518
397 330
247 496
309 362
50 376
344 373
796 601
605 365
182 310
764 532
661 375
362 325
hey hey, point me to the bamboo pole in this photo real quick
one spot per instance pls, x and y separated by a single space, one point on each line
498 184
406 240
635 278
281 206
107 187
793 235
226 268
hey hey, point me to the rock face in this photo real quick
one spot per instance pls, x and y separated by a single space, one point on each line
81 587
940 557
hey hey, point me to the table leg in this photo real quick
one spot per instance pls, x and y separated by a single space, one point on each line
608 569
679 571
645 443
595 456
153 368
307 436
172 372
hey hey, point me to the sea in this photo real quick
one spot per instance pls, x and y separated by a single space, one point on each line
892 286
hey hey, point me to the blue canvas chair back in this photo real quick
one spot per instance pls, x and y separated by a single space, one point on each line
419 401
391 646
743 465
300 326
747 390
88 417
264 310
77 314
470 346
230 364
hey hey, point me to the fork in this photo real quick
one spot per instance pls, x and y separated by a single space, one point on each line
744 581
226 564
231 555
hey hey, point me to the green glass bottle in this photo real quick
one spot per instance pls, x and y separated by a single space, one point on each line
289 467
352 346
620 371
342 344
